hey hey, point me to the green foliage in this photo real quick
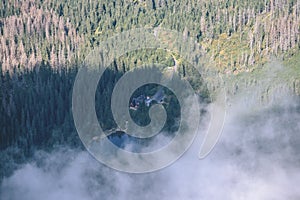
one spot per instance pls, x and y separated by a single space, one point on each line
42 43
61 32
36 111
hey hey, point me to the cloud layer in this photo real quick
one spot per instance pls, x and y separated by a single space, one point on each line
257 157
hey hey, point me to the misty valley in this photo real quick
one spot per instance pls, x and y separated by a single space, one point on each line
43 157
149 99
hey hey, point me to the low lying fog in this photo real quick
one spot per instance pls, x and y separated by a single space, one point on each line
257 158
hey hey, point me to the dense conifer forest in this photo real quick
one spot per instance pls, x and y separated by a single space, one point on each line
42 44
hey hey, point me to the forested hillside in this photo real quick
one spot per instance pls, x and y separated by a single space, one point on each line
42 44
236 34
